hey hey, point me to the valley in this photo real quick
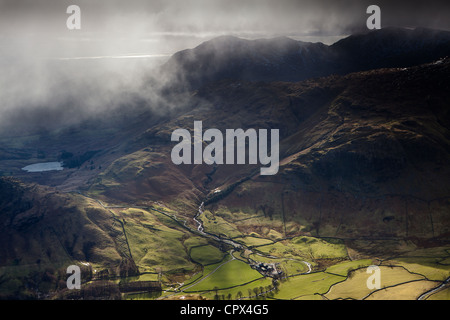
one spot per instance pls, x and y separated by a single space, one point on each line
363 180
227 266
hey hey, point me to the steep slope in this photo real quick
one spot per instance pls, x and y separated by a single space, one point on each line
229 57
373 163
390 47
132 127
43 232
364 155
284 59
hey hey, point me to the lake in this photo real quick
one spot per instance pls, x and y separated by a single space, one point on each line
44 166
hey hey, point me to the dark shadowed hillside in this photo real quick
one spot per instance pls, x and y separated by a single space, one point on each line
362 155
43 232
364 176
284 59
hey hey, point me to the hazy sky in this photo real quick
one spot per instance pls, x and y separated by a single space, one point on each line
126 26
34 38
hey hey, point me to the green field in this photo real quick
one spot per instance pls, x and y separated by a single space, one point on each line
406 291
231 274
155 246
344 268
252 241
243 291
219 226
307 248
206 254
158 242
306 285
220 276
355 286
194 266
425 266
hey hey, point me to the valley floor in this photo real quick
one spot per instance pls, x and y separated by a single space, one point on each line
218 261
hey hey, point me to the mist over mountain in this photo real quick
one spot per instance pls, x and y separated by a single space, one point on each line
36 88
364 163
373 134
284 59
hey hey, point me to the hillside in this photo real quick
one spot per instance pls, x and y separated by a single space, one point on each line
43 232
364 178
285 59
371 162
361 155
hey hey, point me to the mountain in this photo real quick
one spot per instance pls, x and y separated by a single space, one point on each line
368 162
362 155
44 231
364 169
285 59
357 134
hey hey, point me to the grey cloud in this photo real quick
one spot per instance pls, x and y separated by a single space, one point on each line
33 35
141 17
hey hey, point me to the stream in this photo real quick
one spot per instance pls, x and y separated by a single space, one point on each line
236 245
201 229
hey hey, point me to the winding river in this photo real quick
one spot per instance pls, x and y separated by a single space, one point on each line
201 229
236 245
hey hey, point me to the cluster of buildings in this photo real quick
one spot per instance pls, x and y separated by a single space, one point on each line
267 269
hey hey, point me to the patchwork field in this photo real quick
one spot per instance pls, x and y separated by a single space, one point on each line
199 267
303 286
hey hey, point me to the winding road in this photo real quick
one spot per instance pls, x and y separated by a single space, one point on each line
425 295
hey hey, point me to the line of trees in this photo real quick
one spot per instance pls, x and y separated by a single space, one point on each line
257 292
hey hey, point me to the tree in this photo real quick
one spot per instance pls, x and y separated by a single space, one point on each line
275 285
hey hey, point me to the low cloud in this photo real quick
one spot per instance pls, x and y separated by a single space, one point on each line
53 76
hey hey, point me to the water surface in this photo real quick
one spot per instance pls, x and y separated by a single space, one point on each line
44 166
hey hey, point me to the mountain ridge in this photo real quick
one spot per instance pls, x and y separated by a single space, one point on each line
364 162
340 135
285 59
